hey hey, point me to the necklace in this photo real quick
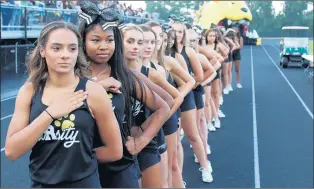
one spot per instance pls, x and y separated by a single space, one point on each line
96 77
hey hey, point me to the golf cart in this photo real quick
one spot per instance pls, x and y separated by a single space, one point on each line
294 44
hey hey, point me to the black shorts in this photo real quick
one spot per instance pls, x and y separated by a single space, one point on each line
148 157
236 55
161 141
127 178
218 75
198 96
92 181
188 102
179 113
171 125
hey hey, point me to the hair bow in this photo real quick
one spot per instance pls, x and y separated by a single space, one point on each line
166 27
197 28
90 11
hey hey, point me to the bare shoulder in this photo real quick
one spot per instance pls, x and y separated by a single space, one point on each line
27 90
189 50
94 90
170 60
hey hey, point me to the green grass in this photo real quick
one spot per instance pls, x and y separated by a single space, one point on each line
311 47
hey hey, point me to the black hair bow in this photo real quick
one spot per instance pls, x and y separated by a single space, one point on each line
90 11
166 27
197 28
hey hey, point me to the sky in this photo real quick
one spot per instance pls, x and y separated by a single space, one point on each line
278 5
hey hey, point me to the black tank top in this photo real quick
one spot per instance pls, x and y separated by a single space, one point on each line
141 113
187 60
118 107
138 109
64 153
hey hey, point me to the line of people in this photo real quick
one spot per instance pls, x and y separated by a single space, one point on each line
104 105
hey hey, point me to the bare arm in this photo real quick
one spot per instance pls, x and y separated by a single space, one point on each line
195 64
22 136
211 69
182 62
108 126
209 73
153 123
175 69
162 93
157 78
206 66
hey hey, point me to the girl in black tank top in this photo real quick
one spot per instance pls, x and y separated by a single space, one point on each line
104 50
58 123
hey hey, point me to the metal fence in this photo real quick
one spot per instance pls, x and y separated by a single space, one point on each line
13 59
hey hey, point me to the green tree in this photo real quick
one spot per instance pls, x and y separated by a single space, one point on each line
293 13
165 8
263 16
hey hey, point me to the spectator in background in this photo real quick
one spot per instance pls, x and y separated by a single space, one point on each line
67 5
50 3
155 15
6 12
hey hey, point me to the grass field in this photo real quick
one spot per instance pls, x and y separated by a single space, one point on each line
311 47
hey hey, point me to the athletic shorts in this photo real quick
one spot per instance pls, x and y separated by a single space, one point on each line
188 102
171 125
161 141
127 178
218 75
236 55
148 157
92 181
198 96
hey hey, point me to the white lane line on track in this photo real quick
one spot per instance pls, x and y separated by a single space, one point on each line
276 48
2 149
292 88
255 138
5 99
5 117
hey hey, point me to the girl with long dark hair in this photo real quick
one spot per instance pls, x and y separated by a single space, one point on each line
104 49
57 111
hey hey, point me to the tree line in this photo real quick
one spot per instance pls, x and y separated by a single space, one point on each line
265 20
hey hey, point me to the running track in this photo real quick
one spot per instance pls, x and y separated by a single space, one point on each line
265 141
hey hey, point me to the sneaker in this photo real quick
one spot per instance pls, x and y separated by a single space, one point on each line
230 88
221 114
181 132
221 100
211 127
225 90
206 175
209 168
217 124
208 150
195 159
239 86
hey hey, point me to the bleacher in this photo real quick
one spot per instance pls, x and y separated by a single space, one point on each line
18 22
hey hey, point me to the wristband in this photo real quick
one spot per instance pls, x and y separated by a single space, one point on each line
49 114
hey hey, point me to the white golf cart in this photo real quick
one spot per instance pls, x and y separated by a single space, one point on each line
294 44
